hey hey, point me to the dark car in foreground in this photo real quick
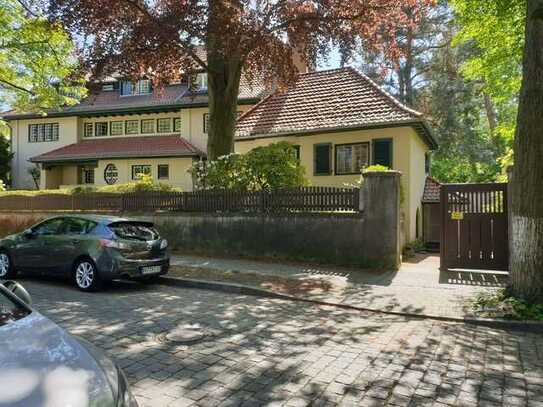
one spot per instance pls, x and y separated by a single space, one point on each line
44 366
90 249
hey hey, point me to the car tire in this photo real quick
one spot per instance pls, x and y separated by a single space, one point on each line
7 270
85 275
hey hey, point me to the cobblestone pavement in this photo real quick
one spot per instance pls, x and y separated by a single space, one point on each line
277 353
419 287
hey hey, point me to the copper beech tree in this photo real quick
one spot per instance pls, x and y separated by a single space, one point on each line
161 39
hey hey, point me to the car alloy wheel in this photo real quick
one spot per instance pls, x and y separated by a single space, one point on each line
85 275
4 265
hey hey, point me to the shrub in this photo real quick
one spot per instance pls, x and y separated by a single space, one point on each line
500 304
145 183
376 167
268 167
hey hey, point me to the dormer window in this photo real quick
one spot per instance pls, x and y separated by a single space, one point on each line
141 87
201 81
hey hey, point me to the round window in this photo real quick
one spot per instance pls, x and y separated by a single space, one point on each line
111 174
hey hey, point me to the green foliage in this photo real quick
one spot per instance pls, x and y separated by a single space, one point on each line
376 167
145 183
37 62
267 167
500 304
495 30
448 168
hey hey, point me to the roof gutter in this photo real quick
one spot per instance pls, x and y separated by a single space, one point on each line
119 111
425 131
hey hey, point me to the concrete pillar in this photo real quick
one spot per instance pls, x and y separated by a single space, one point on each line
380 205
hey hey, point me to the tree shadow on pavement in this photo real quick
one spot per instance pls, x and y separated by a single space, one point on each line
260 351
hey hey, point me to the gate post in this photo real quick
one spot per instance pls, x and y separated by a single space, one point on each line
380 203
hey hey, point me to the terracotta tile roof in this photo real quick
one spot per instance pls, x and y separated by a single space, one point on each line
338 98
171 97
121 147
432 189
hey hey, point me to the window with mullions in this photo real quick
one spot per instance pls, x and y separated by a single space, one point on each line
177 124
147 126
42 132
132 127
116 128
164 125
351 158
88 130
100 129
138 170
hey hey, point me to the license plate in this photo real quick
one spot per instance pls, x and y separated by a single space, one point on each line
151 269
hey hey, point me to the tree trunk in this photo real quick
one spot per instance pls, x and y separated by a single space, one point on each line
223 88
491 117
527 199
224 74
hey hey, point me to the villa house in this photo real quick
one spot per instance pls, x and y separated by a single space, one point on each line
339 121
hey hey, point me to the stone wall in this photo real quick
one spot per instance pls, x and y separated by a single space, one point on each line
369 239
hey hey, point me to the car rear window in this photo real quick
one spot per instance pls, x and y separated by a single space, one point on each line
134 230
10 311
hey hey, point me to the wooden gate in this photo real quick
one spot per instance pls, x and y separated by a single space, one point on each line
474 226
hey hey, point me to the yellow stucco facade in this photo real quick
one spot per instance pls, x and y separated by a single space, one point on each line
408 156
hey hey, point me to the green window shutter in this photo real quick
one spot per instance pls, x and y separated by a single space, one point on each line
382 153
323 162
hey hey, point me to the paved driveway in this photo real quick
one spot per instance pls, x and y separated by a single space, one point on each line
271 352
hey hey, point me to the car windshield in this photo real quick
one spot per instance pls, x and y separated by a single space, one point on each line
134 230
10 311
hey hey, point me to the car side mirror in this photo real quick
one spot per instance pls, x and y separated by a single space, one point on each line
19 291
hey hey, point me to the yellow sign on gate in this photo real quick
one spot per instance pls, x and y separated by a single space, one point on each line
457 215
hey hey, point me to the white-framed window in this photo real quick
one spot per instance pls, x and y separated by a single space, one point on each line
137 170
42 132
132 126
201 81
163 171
351 158
88 130
164 125
141 87
100 129
177 124
147 126
116 128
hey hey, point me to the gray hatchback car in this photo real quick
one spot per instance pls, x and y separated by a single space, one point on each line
44 366
89 249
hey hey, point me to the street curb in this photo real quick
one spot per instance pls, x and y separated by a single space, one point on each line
232 288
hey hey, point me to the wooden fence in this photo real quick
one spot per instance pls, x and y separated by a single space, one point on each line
303 199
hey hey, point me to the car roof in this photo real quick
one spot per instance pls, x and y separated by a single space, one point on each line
103 219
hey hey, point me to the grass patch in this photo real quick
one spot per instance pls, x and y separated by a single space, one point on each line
499 304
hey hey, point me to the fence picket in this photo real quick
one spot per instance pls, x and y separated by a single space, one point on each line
301 199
